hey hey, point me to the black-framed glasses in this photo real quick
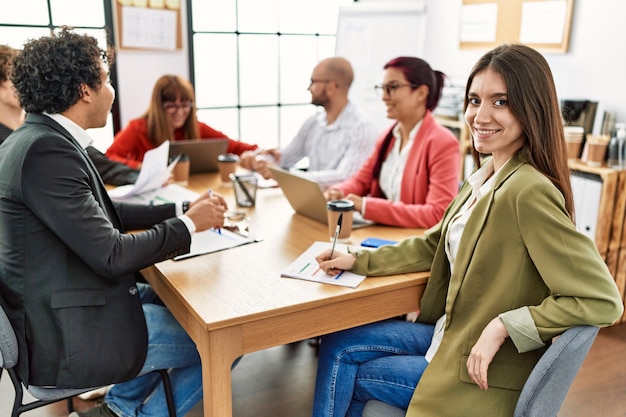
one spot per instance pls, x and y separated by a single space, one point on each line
313 81
391 88
171 107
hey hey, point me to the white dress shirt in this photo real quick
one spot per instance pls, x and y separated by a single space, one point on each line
335 151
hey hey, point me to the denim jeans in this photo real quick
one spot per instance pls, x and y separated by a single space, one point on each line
382 361
169 347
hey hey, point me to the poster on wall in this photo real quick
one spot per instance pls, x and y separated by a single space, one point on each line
542 24
148 24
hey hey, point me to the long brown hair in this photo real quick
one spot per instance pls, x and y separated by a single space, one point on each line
170 88
533 101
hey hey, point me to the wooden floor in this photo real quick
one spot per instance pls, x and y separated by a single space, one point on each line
278 382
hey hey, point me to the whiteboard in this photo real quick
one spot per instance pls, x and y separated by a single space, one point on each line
371 33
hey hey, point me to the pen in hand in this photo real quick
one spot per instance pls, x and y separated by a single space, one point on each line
219 230
337 230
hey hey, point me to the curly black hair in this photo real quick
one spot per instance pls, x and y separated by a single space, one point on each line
49 71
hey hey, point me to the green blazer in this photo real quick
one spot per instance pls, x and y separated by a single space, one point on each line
519 248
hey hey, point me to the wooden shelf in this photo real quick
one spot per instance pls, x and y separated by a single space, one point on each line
611 227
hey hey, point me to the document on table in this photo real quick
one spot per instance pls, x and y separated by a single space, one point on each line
212 240
153 174
171 193
306 267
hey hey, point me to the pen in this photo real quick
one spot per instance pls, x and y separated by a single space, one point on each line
337 230
219 230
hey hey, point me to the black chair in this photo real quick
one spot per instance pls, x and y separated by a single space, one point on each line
8 359
548 383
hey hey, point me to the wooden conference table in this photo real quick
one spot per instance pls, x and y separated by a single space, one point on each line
235 302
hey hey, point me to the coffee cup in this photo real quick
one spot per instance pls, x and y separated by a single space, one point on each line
573 140
227 164
596 150
334 208
181 170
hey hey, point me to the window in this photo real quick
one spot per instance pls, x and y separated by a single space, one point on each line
36 18
251 63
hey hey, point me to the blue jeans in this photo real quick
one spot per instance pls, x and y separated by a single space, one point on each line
382 361
169 347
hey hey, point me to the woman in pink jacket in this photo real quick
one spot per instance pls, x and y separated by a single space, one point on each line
413 173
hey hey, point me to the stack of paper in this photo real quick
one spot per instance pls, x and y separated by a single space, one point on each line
153 174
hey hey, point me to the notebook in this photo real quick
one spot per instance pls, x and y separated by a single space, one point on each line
306 197
202 153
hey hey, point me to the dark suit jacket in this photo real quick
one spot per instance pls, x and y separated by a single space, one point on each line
67 269
112 172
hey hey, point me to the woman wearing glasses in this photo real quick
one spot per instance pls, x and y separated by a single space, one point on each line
170 116
413 173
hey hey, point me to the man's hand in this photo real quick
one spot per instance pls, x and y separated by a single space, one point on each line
207 211
260 161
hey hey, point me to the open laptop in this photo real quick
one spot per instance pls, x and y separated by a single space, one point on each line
202 153
306 197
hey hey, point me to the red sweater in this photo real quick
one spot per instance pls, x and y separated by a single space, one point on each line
131 143
429 183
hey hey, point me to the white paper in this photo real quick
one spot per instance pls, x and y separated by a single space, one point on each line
543 22
148 28
213 240
153 174
306 267
479 22
171 193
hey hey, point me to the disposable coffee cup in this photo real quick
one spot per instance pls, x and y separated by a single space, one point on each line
573 140
334 208
573 149
596 150
245 189
181 170
227 164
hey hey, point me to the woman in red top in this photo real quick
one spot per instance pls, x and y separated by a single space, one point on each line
171 116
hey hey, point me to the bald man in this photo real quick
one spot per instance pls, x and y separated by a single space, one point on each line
337 140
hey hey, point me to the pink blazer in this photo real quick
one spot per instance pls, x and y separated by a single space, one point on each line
429 182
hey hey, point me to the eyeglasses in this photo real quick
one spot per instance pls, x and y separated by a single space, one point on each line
313 81
391 88
172 108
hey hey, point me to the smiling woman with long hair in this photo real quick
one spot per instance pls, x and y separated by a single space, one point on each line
508 269
170 116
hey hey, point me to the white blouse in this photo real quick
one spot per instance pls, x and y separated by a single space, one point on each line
482 183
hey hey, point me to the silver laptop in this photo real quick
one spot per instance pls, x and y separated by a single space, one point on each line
306 197
202 153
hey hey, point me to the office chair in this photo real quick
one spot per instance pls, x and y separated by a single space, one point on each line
8 359
548 383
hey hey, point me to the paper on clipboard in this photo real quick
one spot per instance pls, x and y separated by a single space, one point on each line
153 174
305 267
212 240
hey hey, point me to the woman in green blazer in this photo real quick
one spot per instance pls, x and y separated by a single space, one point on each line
509 270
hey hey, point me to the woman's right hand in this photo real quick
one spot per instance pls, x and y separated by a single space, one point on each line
340 262
333 194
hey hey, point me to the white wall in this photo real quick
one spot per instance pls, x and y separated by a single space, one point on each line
137 71
593 68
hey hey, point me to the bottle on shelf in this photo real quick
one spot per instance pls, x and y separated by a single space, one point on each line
617 144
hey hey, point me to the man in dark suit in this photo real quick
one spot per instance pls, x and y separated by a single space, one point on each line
68 269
